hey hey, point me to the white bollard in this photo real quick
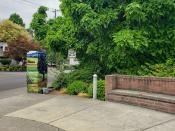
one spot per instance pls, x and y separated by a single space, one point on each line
94 86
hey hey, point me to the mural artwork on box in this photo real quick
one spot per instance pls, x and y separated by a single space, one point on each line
36 71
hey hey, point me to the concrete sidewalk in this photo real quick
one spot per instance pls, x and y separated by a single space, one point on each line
73 113
19 124
17 99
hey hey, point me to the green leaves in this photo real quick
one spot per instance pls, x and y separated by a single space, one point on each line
90 22
117 36
39 24
61 35
134 14
15 18
130 45
79 10
95 23
133 39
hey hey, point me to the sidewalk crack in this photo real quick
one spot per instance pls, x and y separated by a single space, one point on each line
72 113
157 124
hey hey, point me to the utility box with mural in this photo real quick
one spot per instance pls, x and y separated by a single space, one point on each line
36 71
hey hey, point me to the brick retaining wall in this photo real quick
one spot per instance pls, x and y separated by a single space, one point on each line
160 88
155 105
148 84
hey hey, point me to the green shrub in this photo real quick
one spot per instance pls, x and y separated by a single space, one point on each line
68 67
90 91
79 74
4 68
100 90
61 80
84 75
5 61
12 68
15 68
24 68
77 87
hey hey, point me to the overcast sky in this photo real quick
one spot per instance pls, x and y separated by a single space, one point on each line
26 8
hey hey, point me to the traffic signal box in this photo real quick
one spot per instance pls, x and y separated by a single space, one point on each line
36 71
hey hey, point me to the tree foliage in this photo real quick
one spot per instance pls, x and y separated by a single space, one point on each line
10 31
119 36
58 38
39 23
15 18
18 48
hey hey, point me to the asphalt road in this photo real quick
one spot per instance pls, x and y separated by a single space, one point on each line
12 80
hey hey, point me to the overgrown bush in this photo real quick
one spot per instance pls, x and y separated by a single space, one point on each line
77 87
84 75
100 90
4 68
166 69
68 67
61 80
5 61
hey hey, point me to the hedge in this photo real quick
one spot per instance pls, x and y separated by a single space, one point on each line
12 68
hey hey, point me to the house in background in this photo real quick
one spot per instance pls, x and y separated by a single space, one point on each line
3 47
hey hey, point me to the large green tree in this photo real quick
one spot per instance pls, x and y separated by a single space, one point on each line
39 23
118 36
15 18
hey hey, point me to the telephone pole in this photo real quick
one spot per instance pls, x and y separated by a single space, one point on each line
55 12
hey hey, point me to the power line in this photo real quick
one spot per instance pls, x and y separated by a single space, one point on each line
33 3
37 4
